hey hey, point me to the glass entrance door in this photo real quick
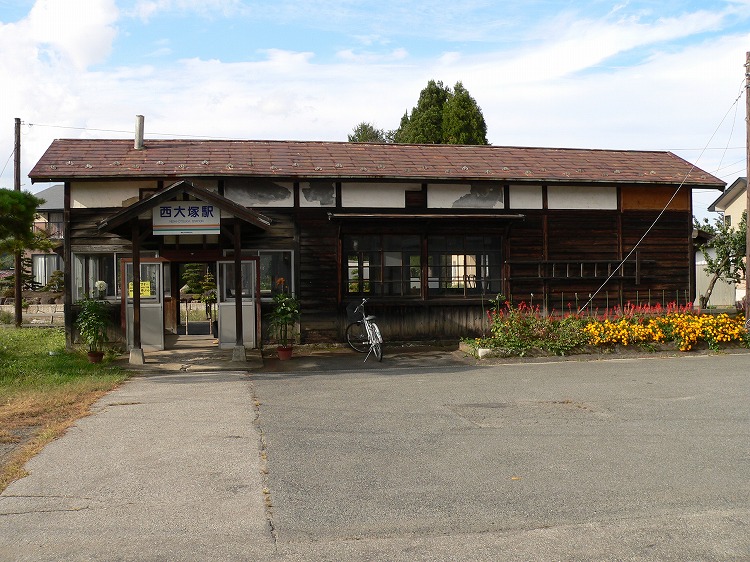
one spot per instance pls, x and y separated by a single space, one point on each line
152 305
227 303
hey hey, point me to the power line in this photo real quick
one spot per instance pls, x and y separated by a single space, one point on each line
124 132
661 213
12 152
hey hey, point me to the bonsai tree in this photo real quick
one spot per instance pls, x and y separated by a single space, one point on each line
284 315
92 323
208 294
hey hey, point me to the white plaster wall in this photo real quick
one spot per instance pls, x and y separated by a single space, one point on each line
582 197
526 197
263 193
317 194
106 194
465 196
384 195
735 210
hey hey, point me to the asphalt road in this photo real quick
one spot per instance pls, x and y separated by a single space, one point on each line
432 459
421 457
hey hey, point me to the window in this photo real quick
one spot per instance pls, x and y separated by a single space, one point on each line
463 265
42 267
90 268
383 265
274 265
247 281
727 220
394 266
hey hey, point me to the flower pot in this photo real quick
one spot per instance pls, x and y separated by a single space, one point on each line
95 356
284 352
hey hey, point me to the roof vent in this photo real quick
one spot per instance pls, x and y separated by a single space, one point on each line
138 132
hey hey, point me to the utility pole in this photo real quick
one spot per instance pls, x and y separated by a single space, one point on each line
747 186
17 186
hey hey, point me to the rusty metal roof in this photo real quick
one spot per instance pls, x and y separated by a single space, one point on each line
91 159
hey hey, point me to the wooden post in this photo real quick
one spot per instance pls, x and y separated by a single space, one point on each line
68 269
747 184
19 264
238 354
238 283
136 352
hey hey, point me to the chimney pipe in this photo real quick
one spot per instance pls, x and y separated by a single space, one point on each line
138 132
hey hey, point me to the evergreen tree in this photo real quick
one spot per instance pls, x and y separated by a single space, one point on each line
367 132
192 277
443 116
18 210
425 124
463 122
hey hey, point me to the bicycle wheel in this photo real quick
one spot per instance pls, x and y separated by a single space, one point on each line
356 337
377 344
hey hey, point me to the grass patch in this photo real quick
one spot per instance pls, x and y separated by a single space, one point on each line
43 389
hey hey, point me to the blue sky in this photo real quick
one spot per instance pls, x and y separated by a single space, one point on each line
660 75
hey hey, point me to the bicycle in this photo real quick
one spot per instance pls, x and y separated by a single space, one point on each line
363 335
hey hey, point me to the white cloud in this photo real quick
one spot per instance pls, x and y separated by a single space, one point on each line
560 89
78 31
145 10
349 55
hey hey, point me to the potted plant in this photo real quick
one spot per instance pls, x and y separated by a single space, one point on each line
92 323
101 289
284 315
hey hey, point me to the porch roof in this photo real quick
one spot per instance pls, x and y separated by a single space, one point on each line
97 159
121 218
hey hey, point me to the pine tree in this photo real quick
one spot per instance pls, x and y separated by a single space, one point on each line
443 116
463 122
367 132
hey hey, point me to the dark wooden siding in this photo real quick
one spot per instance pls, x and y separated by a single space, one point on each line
665 253
568 257
85 237
318 277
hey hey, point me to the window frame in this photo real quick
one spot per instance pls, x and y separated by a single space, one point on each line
477 280
289 285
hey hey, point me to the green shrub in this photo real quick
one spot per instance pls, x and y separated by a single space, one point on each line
518 330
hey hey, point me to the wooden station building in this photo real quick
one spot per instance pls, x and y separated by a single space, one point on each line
427 233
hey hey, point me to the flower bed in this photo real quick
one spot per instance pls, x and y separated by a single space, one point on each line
523 330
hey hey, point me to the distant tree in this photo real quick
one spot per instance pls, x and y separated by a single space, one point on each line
18 210
729 246
367 132
443 116
28 283
192 277
463 122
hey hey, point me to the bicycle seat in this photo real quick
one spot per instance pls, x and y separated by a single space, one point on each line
369 317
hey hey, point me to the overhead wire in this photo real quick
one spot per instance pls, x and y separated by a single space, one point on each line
12 152
664 209
173 135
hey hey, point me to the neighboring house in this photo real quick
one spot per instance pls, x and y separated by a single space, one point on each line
723 293
731 204
49 219
428 233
